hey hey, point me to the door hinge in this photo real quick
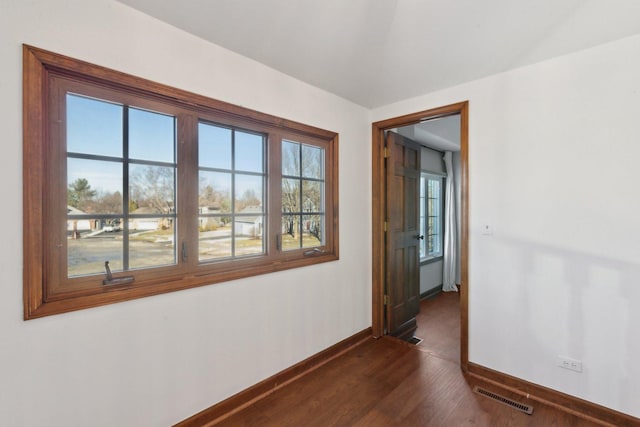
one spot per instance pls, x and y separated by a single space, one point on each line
386 152
385 226
385 299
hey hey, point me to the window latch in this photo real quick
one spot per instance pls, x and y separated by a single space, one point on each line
314 251
110 280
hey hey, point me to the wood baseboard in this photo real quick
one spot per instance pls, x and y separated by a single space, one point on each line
571 404
235 403
431 293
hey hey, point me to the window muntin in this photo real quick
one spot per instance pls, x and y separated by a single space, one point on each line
120 186
431 218
145 188
302 196
232 181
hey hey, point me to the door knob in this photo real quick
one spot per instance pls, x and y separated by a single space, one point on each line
420 237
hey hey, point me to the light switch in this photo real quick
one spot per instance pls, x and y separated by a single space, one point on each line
487 230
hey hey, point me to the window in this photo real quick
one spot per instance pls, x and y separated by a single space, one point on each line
431 203
302 196
120 186
132 188
232 179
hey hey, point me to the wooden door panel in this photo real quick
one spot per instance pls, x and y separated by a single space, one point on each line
402 250
404 295
412 195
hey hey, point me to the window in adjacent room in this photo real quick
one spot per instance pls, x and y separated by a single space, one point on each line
431 219
132 188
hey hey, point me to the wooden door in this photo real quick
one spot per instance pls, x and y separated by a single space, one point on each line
402 260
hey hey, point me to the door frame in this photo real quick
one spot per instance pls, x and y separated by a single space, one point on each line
378 215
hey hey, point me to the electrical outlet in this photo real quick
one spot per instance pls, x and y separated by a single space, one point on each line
487 230
569 363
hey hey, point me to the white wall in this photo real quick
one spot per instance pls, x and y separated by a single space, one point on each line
157 360
430 276
553 154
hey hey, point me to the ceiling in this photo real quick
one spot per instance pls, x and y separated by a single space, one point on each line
442 133
376 52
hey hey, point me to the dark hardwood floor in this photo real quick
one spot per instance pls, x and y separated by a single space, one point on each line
388 382
439 325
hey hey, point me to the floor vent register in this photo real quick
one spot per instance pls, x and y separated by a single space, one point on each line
527 409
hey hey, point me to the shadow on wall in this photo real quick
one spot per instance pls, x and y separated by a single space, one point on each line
569 303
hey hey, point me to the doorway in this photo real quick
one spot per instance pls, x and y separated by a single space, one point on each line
378 216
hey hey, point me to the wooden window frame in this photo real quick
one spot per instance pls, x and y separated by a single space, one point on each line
45 295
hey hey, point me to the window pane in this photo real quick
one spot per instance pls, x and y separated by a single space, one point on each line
422 215
249 149
151 189
93 126
215 192
302 195
433 237
436 184
248 191
291 232
290 195
231 229
151 243
214 238
312 162
151 136
290 158
431 243
94 186
312 230
214 146
312 196
90 243
248 235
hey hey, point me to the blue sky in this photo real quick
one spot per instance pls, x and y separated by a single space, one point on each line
214 149
95 127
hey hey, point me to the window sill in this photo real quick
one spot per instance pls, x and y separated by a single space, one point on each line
40 307
430 260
